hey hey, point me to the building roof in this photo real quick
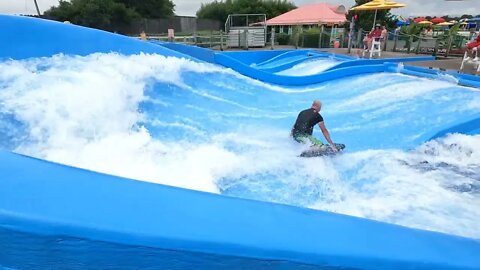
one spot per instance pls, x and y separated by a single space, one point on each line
319 13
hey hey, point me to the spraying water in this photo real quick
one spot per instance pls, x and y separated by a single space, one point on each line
309 67
200 126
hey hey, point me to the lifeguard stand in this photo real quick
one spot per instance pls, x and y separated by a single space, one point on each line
246 30
475 61
376 47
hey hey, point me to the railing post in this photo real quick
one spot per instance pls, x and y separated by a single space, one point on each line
410 40
385 42
417 50
303 40
395 38
435 50
350 35
359 37
211 39
221 40
239 38
272 38
320 37
246 39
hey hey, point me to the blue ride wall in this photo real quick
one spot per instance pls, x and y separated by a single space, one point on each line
48 199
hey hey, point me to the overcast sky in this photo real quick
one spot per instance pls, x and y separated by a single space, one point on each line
189 7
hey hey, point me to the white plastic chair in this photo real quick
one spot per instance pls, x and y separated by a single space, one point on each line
475 61
376 47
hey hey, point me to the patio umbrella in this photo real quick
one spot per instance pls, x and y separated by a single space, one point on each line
378 5
424 22
437 20
420 19
445 24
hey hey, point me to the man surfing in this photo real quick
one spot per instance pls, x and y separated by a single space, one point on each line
306 120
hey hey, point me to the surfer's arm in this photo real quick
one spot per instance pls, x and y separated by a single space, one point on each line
326 134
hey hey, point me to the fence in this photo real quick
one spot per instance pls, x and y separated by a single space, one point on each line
178 23
213 40
441 45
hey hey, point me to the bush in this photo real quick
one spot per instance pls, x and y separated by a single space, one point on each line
282 38
309 38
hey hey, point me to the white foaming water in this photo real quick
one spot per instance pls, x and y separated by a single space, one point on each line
434 187
309 67
84 111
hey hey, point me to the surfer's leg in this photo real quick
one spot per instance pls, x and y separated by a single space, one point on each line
314 140
300 138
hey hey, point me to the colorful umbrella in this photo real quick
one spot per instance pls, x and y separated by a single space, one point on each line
424 22
437 20
378 5
445 24
420 19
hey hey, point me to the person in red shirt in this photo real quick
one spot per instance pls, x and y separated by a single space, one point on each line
473 46
375 33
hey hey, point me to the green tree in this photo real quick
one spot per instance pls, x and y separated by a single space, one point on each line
215 11
150 9
101 14
219 10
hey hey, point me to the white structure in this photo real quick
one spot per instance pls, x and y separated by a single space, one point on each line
475 61
246 30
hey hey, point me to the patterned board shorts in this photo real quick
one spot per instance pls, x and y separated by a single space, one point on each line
305 138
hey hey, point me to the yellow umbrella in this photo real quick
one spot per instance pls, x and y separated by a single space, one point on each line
424 22
376 5
445 24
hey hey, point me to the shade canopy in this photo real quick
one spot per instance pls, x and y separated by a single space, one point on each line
420 19
425 22
437 20
378 5
319 13
445 24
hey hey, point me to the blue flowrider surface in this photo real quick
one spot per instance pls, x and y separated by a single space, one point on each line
96 129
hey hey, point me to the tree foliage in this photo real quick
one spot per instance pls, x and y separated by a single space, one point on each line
107 14
150 9
219 10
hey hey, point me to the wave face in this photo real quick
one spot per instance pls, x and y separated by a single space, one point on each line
200 126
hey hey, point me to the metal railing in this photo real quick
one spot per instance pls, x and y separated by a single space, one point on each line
437 45
215 40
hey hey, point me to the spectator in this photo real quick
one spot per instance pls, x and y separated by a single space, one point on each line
473 47
375 33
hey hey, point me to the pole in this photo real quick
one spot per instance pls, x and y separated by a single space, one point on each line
320 37
272 38
375 18
221 40
350 35
36 6
395 41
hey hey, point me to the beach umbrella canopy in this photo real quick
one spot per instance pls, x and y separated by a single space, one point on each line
445 24
437 20
424 22
378 5
420 19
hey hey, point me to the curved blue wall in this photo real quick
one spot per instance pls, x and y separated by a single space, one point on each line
24 37
52 200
